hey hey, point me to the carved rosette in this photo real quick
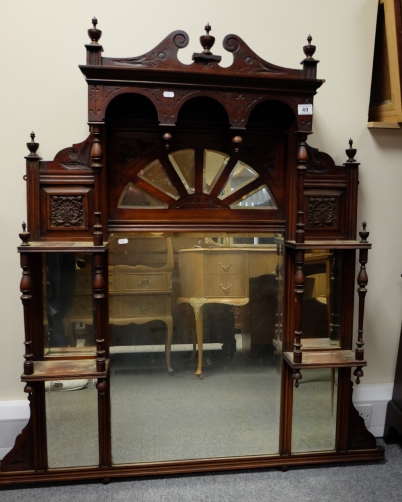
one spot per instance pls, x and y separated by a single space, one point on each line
67 211
322 212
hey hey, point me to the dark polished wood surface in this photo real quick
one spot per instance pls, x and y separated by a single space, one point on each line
145 108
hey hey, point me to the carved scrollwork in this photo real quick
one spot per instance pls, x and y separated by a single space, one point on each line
322 212
67 211
246 61
79 159
151 59
168 105
94 99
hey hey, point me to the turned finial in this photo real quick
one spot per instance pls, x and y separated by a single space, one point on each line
167 137
93 33
351 152
207 41
309 49
237 140
32 146
24 235
364 234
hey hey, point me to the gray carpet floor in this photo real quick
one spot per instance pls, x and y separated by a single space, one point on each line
374 482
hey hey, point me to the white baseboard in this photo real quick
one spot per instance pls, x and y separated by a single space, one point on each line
378 396
14 415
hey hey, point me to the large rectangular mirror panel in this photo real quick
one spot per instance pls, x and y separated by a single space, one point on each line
191 303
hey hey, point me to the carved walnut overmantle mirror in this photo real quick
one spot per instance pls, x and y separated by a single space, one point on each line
189 276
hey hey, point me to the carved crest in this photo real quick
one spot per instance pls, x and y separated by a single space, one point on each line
79 159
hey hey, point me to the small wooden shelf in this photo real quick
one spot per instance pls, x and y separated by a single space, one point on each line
327 359
328 244
318 344
67 246
65 370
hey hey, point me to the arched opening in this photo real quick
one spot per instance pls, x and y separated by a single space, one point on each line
131 110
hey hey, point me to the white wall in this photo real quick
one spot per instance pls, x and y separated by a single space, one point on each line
42 89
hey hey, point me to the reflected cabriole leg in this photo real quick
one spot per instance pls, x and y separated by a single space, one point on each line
199 326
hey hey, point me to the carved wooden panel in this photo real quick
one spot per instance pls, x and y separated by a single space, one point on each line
66 208
66 211
321 212
325 212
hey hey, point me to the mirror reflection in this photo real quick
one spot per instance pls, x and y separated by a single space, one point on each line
196 306
71 413
68 313
322 299
314 411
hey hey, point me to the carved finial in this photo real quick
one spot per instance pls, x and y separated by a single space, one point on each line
93 33
207 41
24 235
358 373
351 152
32 146
364 234
309 49
297 376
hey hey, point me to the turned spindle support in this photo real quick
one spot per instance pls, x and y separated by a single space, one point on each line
99 297
96 157
26 299
302 158
299 291
362 281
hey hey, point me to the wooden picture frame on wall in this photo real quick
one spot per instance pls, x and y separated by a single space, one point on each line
385 109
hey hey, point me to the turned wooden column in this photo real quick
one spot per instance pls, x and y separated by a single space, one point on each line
302 157
99 297
362 281
96 157
335 297
26 298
